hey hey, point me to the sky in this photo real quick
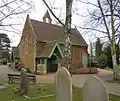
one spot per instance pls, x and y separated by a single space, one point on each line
39 10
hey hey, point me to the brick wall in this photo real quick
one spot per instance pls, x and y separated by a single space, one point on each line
29 58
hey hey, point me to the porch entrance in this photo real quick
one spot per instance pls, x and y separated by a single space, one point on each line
50 57
52 64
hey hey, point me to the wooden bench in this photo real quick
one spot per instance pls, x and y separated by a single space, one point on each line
13 77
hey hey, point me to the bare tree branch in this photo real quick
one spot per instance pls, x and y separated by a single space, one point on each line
10 24
53 13
87 2
90 29
5 4
11 8
11 31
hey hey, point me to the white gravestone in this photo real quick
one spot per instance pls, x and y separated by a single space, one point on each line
94 90
63 85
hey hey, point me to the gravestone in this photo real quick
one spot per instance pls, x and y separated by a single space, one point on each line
94 90
63 85
24 81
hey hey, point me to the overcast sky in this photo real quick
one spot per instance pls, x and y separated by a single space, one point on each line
40 9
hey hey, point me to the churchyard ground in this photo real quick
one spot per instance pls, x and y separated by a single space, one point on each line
78 80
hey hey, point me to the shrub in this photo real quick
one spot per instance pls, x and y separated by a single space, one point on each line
8 64
102 61
19 66
16 62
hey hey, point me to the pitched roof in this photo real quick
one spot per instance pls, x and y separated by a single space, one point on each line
46 32
16 52
47 50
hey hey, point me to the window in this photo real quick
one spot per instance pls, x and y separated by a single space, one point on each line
81 53
77 53
26 44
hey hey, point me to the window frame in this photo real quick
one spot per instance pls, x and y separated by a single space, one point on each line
26 44
81 52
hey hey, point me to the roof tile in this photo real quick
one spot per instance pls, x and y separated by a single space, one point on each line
49 32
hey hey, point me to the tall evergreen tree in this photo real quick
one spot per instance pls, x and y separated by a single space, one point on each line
98 48
107 51
4 46
91 54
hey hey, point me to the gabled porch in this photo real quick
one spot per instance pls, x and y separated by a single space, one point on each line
49 59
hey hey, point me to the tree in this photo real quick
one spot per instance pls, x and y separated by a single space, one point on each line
102 60
10 10
12 57
91 55
67 31
4 46
107 52
111 32
105 18
98 48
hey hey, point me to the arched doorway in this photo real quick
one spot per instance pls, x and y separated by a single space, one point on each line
52 64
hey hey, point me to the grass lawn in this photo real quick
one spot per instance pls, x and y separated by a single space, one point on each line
119 69
112 69
8 95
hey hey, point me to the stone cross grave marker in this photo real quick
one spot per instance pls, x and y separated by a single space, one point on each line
63 85
24 81
94 90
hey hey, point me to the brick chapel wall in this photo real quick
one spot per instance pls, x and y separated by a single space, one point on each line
77 55
28 59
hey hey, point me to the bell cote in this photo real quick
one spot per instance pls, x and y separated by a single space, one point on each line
47 18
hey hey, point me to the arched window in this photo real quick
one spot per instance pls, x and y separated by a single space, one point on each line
26 44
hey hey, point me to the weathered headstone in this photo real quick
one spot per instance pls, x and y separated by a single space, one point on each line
63 85
24 81
94 90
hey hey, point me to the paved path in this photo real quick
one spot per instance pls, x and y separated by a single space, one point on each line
107 77
4 70
78 80
104 75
